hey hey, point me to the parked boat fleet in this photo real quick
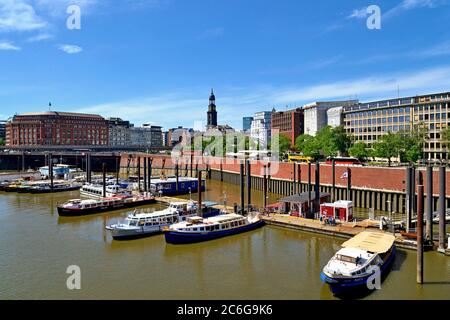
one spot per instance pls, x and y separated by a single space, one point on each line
366 255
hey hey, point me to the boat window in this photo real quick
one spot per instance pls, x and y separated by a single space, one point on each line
216 227
346 258
194 229
202 229
133 222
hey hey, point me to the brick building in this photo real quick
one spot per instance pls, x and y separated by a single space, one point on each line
289 123
53 128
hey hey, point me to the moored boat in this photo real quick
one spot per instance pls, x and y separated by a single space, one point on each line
78 207
167 186
58 187
143 224
353 266
198 229
96 191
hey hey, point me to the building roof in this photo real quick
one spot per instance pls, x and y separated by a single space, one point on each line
62 114
371 241
303 197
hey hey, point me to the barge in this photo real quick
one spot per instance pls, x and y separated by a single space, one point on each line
78 207
198 229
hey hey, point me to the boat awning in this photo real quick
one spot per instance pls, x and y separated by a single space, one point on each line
210 203
376 242
303 197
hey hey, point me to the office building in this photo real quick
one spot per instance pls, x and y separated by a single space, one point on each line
247 123
288 123
146 136
119 132
316 116
3 130
367 122
53 128
260 130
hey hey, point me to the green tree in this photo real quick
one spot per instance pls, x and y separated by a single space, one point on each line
386 147
359 150
2 142
328 142
284 143
341 140
308 146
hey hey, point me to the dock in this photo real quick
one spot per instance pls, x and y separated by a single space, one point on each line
345 230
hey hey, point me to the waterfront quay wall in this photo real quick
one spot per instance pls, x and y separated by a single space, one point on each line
371 187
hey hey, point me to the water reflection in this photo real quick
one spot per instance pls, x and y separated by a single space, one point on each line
36 246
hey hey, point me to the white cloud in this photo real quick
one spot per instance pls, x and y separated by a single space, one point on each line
406 5
19 15
70 48
40 37
59 7
5 45
188 106
358 13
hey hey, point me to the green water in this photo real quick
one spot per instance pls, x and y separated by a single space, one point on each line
36 247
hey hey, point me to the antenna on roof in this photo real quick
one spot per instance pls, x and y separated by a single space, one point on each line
49 106
398 91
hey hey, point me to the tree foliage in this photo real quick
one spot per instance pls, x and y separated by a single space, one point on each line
328 142
359 150
407 145
284 143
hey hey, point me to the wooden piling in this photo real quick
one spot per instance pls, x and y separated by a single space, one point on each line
420 234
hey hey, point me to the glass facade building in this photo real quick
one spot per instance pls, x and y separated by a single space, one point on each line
366 122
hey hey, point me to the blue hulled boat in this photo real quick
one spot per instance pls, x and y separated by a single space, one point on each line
198 229
353 267
168 186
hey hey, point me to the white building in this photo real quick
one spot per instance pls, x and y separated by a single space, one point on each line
335 117
260 130
316 116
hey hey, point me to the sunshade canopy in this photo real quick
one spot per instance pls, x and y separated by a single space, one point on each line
376 242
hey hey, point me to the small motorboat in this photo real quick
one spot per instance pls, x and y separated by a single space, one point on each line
351 268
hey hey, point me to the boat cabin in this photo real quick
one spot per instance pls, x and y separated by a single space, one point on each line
298 205
340 210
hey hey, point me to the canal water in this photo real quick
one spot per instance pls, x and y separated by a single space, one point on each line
37 246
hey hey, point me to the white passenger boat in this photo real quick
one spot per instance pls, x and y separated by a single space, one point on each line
351 267
142 224
96 191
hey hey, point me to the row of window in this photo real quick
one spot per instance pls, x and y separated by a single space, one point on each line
216 227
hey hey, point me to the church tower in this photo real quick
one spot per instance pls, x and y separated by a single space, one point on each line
212 113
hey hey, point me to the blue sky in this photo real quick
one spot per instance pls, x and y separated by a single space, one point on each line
155 61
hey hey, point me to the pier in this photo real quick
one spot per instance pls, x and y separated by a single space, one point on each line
346 230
